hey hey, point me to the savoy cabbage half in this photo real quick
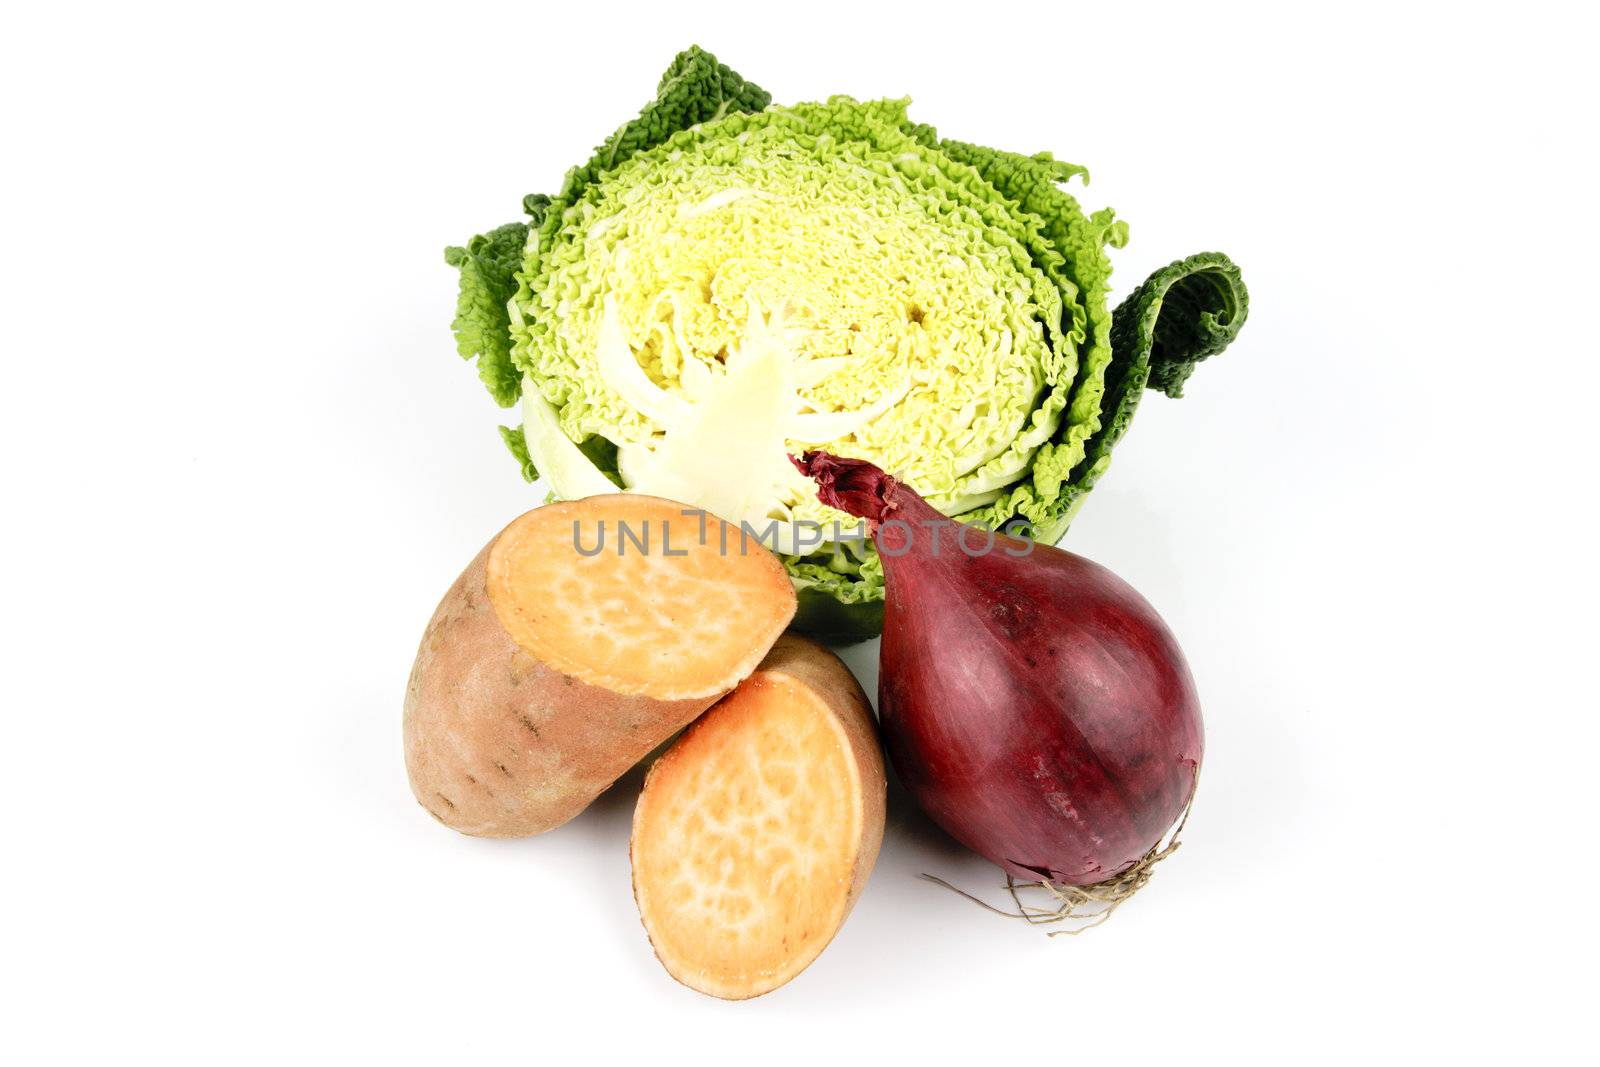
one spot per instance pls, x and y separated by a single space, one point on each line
726 282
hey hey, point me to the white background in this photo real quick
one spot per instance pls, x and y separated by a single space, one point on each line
244 461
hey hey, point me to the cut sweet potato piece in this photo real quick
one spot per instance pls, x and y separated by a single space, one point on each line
551 667
757 829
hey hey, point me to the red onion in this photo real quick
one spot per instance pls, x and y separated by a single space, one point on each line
1033 703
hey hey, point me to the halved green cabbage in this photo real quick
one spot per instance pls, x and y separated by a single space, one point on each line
727 283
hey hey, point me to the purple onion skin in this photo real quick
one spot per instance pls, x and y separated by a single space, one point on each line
1033 703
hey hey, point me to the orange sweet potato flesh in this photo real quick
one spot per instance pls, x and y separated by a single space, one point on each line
757 829
547 672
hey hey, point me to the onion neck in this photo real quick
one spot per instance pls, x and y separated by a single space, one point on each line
858 488
853 486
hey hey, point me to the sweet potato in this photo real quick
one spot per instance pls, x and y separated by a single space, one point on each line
757 829
548 671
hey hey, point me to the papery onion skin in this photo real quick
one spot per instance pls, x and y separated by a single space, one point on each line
1032 702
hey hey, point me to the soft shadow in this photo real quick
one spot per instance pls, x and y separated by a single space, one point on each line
905 823
612 811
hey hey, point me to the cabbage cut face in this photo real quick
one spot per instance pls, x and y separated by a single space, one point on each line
727 283
810 277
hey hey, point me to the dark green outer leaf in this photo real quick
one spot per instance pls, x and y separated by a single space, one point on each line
488 265
823 617
1186 312
512 436
695 89
1204 307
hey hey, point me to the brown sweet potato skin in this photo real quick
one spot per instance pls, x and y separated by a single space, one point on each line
497 743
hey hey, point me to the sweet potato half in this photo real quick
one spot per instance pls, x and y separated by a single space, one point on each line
551 666
757 829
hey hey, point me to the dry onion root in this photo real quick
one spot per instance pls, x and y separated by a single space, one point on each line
1086 906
